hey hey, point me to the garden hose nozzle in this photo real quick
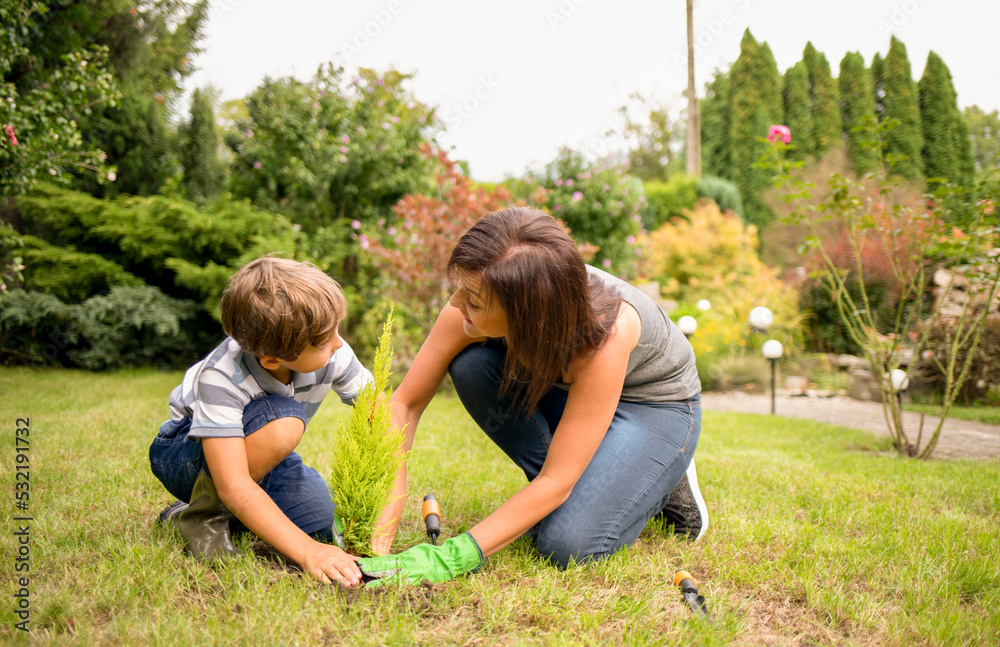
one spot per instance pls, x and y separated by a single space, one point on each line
432 518
689 590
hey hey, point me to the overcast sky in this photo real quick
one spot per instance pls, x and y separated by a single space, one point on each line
515 80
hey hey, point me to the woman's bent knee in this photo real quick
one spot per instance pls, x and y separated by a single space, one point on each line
562 550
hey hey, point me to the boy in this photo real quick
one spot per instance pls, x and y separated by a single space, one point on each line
235 420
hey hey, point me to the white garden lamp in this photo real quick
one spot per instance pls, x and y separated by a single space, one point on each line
688 325
772 350
899 381
761 319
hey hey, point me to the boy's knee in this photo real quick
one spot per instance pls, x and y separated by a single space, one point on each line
273 426
263 411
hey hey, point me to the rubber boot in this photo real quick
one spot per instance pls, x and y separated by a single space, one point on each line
204 524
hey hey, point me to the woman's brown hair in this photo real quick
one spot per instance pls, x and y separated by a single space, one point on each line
555 311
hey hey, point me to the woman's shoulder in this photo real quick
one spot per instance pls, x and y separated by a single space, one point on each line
622 338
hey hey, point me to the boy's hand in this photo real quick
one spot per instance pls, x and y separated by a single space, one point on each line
328 563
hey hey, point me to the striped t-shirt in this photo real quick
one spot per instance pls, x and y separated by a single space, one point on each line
216 389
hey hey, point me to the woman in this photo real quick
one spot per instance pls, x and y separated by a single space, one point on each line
578 377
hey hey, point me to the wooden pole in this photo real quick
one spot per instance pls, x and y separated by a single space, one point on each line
694 117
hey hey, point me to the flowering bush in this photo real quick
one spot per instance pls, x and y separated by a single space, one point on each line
712 255
412 251
600 203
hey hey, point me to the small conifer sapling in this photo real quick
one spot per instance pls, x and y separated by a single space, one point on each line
368 452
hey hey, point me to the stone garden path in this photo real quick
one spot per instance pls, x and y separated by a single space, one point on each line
959 438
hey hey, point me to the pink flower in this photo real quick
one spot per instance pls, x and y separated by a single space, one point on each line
346 139
411 104
630 240
364 241
344 149
391 231
559 182
577 196
569 182
11 136
558 207
355 224
606 262
778 131
257 165
395 119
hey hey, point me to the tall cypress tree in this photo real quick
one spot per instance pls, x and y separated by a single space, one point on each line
878 85
823 100
150 46
204 174
984 136
716 147
798 115
754 104
944 129
902 102
857 108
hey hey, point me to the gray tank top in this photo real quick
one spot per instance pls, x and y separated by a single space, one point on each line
661 366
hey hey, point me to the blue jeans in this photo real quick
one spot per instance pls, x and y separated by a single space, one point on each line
299 491
644 454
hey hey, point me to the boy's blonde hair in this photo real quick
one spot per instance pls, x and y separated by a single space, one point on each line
277 307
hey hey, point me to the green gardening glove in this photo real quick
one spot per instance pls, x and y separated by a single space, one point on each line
455 557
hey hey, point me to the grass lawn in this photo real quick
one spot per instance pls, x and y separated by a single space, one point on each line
819 535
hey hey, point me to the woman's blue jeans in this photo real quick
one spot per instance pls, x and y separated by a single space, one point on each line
644 454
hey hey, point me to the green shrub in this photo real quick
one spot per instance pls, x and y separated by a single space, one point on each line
188 251
36 328
723 192
130 326
67 274
665 200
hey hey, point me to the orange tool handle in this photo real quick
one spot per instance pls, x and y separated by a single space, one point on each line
432 517
430 507
680 576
